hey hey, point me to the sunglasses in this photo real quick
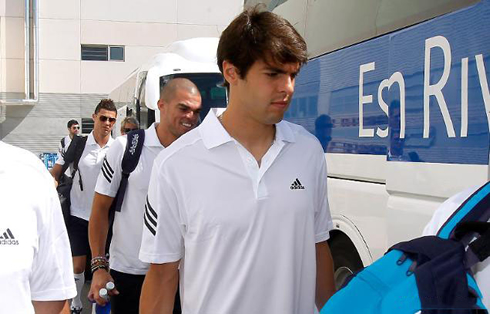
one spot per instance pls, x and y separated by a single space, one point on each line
75 127
129 130
104 119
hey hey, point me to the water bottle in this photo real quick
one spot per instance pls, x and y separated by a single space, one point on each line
104 293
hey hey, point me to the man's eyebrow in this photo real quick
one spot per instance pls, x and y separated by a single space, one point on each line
278 70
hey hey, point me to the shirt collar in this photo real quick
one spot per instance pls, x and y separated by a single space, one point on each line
151 137
214 134
91 140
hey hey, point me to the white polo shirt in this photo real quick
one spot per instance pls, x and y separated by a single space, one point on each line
482 270
88 169
35 256
128 223
61 149
246 234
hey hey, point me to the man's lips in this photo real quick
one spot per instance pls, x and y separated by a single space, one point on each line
280 103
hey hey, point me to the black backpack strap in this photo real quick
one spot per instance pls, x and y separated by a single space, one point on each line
73 155
130 160
62 143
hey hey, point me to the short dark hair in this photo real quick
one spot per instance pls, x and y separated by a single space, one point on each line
106 104
72 122
260 35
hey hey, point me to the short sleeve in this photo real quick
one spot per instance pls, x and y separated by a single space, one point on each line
61 160
52 272
323 219
109 177
162 239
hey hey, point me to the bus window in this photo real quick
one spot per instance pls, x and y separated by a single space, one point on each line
209 84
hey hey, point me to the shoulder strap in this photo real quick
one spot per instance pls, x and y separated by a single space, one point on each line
73 153
130 160
474 208
62 142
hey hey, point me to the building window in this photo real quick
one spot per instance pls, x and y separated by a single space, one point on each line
102 53
87 125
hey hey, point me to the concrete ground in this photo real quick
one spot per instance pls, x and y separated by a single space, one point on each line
87 306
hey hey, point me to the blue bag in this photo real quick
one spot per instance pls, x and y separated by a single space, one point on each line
431 274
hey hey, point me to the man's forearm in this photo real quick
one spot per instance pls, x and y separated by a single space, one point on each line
325 283
159 289
99 224
48 307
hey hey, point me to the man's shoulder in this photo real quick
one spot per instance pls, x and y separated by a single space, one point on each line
22 161
185 144
301 135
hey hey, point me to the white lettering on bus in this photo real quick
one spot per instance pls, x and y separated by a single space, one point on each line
429 90
464 97
364 99
480 65
386 83
436 89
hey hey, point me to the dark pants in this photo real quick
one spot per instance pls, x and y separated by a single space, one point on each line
128 299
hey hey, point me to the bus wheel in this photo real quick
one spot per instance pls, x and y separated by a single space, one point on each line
345 258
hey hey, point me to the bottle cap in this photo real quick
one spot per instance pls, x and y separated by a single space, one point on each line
110 285
103 294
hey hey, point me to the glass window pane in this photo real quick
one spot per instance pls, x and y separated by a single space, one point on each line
94 53
117 53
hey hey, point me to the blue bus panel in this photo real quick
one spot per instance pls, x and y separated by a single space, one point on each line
416 95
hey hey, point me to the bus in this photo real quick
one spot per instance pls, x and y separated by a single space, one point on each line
193 58
397 94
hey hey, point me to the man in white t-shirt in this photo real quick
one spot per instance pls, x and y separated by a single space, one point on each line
179 104
73 130
83 189
482 270
35 263
240 203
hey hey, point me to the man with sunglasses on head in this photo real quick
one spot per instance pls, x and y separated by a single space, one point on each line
83 189
179 105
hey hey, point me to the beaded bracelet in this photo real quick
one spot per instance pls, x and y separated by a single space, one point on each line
99 262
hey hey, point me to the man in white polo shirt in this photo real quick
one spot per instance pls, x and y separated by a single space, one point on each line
240 203
482 270
83 189
179 104
35 263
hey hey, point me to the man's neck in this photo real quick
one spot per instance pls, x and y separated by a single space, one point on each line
256 137
101 140
164 136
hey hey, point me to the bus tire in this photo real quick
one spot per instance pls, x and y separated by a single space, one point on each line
345 258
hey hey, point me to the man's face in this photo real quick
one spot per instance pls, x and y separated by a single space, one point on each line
104 121
266 91
74 130
181 113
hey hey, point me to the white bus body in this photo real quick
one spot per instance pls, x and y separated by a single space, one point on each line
397 93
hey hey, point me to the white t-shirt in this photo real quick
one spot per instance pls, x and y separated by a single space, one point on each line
62 150
246 234
35 256
88 169
482 270
128 223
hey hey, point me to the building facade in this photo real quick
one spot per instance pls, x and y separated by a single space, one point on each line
77 51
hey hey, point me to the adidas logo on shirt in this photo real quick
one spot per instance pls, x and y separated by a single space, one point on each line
8 238
296 185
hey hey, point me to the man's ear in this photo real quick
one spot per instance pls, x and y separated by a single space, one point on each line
160 104
230 72
94 117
